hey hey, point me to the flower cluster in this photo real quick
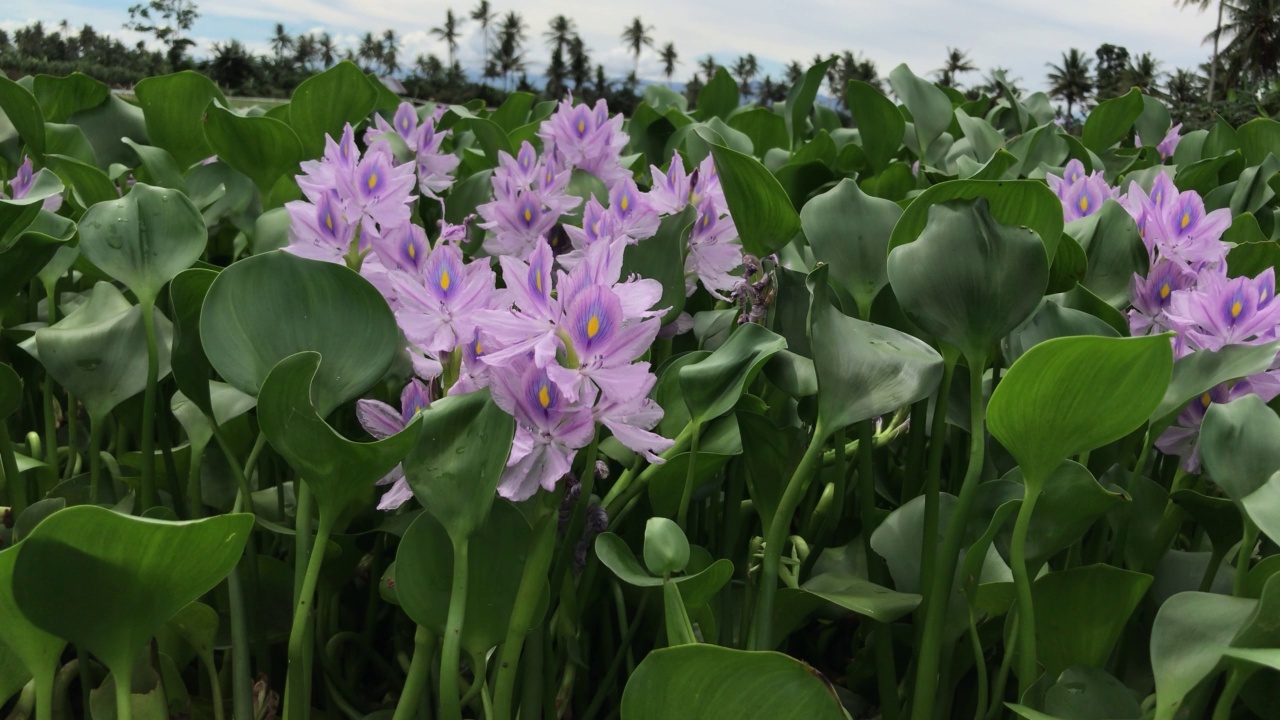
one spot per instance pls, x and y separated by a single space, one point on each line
1187 289
1081 195
434 166
529 199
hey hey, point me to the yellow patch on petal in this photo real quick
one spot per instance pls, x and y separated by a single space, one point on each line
413 254
582 126
479 350
593 326
1205 399
1236 307
1186 220
1262 297
544 397
1084 203
328 220
1164 291
537 280
373 180
528 215
625 203
444 280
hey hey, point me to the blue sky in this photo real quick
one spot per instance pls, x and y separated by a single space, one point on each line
1019 34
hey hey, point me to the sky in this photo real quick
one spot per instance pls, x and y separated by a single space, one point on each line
1022 35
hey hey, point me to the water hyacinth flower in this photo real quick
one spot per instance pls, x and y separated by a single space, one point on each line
1169 144
1081 195
319 230
587 138
382 421
634 217
713 256
438 308
1152 294
434 167
529 199
21 184
1221 311
605 347
671 190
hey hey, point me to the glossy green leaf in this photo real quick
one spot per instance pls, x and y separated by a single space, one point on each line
89 184
108 125
69 140
712 385
706 682
1071 503
143 239
1013 202
1084 693
864 370
879 123
719 97
662 259
1240 446
1114 251
496 558
862 596
455 467
191 369
849 230
99 351
1071 395
174 106
1186 640
263 148
1201 370
156 166
37 239
967 280
340 472
1153 123
33 648
141 572
1258 138
23 111
63 96
762 211
800 100
267 307
929 105
666 549
1109 122
1069 629
766 129
323 103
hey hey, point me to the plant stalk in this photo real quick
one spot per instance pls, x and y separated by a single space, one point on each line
527 596
451 655
415 684
1022 587
147 490
297 701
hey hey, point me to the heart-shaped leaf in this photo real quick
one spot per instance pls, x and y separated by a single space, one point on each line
325 102
174 106
849 230
1069 630
1240 445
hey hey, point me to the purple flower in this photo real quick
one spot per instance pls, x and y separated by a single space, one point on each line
1182 438
597 223
526 316
1175 225
1170 142
1220 311
21 184
380 191
632 421
670 192
633 215
588 139
1151 295
713 256
438 308
549 431
381 421
605 347
435 167
319 230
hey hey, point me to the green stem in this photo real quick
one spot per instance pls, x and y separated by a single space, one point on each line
979 663
942 575
1227 700
451 655
216 688
687 493
615 665
50 426
17 485
1210 571
1244 556
241 679
95 458
761 635
886 676
415 684
195 502
1002 677
1022 587
44 694
124 692
933 473
73 456
297 704
631 483
147 494
532 580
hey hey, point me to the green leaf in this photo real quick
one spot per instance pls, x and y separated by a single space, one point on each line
89 184
23 112
712 385
985 140
1262 506
191 369
707 682
340 472
1264 657
662 258
327 101
35 649
719 97
879 123
1085 692
1240 445
1258 138
1250 259
1111 121
156 166
174 106
260 147
1069 629
495 562
762 212
143 239
62 97
861 596
99 353
10 391
1012 202
107 125
766 129
1189 630
1114 251
849 230
929 106
864 370
967 280
108 582
458 461
267 307
800 101
1071 395
514 111
666 549
1072 501
69 140
1200 371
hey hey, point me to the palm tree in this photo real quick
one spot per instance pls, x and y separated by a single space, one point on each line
370 50
1202 5
957 62
305 51
281 42
708 66
449 32
390 51
508 56
1070 82
327 50
483 14
560 32
1254 49
579 64
1144 74
745 69
795 71
996 75
636 36
669 61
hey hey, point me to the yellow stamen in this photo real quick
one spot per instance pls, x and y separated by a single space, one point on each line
1164 291
444 280
544 397
479 350
593 326
582 127
1236 307
537 281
